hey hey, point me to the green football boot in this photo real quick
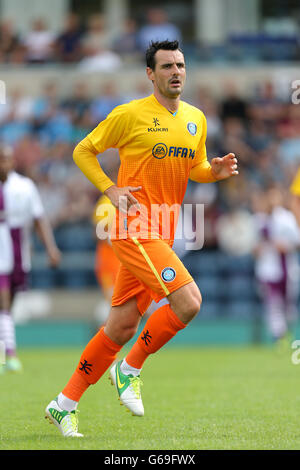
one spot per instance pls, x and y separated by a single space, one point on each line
65 421
128 388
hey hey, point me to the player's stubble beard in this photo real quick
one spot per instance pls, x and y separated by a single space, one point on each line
168 92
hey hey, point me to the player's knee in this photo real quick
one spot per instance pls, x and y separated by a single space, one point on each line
129 333
192 307
186 302
123 334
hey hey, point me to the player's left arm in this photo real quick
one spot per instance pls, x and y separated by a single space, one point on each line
220 168
224 167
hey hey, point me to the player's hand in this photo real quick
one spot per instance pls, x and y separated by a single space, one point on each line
122 197
225 167
54 256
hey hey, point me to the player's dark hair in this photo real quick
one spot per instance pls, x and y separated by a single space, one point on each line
155 46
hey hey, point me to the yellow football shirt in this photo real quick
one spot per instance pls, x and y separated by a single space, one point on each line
158 151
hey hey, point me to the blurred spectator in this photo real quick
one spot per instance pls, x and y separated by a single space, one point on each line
266 167
232 105
15 116
288 130
82 127
259 137
81 199
39 43
138 91
57 163
9 42
266 106
45 106
109 98
18 107
78 102
51 122
57 128
208 196
126 45
54 198
66 203
235 139
96 37
236 232
28 153
68 43
205 101
98 59
157 28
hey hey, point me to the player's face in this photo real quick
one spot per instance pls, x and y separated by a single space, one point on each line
6 165
168 75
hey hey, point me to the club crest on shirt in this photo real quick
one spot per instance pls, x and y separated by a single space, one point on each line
168 274
192 128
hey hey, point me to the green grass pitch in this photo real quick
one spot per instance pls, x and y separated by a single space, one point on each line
194 398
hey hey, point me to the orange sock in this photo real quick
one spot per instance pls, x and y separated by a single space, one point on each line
161 326
97 356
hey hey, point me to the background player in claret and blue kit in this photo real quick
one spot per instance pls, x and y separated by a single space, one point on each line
277 266
155 166
20 207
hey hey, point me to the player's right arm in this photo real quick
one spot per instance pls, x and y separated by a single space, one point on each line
110 133
85 157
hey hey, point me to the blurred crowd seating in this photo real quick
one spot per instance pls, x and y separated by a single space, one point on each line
90 43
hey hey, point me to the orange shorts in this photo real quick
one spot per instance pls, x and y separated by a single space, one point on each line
150 270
